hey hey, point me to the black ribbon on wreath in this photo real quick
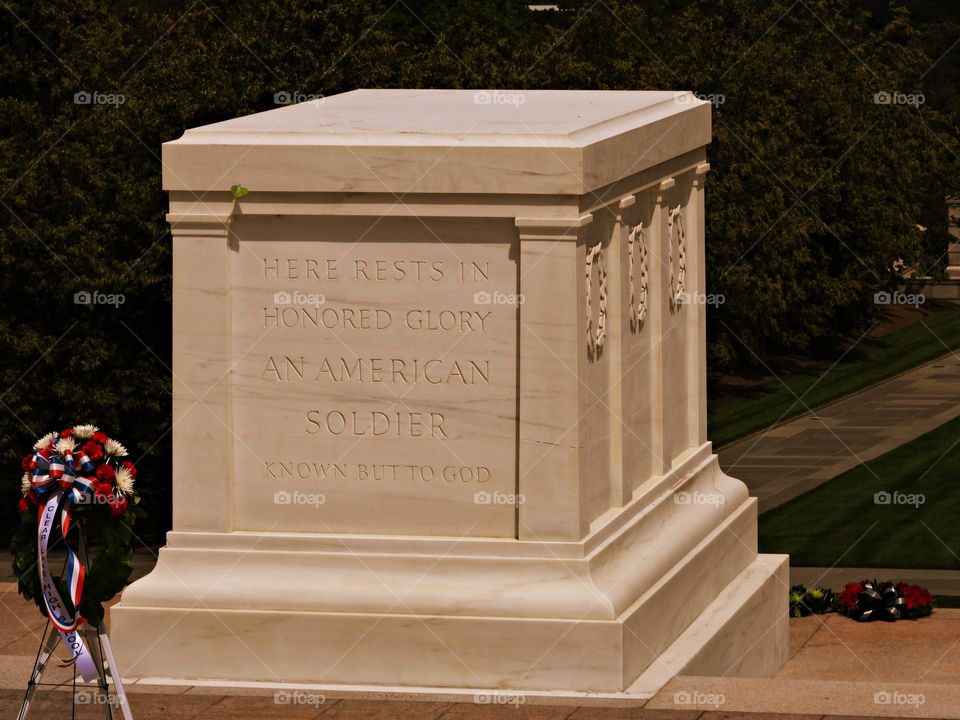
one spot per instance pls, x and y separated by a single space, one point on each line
881 601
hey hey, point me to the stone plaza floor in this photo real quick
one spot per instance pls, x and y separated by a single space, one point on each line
837 668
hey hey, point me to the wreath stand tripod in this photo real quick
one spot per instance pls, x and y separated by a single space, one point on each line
98 642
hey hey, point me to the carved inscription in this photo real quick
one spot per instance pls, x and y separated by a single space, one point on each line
382 377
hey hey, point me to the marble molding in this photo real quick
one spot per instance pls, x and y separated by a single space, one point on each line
440 403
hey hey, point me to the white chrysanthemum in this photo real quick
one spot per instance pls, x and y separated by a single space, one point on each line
44 441
66 445
25 485
114 448
84 432
124 480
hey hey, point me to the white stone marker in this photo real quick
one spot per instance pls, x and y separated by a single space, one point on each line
439 403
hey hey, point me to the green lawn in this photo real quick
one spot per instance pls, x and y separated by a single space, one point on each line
731 414
839 523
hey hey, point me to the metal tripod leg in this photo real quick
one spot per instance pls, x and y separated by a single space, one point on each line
110 667
47 645
92 639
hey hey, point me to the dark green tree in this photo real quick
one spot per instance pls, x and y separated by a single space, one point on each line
816 188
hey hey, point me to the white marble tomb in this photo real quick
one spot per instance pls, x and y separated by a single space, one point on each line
439 403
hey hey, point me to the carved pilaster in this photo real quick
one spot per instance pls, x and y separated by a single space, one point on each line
201 368
697 331
659 286
548 475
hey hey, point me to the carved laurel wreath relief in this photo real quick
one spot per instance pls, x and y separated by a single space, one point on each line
676 235
638 299
595 339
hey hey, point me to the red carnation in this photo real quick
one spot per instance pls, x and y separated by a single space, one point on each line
117 505
100 437
102 488
848 596
105 473
33 499
93 450
916 596
27 463
66 433
23 506
129 466
913 599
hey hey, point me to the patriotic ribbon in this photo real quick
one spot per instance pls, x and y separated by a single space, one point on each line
56 479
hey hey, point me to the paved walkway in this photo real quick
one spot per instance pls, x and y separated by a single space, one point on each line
788 460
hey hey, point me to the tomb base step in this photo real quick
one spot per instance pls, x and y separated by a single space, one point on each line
585 617
724 636
744 632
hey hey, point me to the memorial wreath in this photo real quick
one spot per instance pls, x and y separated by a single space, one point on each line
869 600
80 479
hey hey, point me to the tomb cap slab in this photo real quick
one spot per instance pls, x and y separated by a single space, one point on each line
441 141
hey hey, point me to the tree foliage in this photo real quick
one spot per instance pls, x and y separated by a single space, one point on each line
816 188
